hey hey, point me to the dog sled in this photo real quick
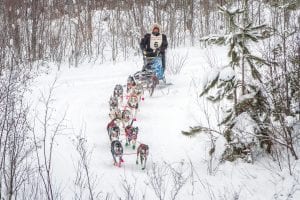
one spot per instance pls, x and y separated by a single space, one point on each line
152 73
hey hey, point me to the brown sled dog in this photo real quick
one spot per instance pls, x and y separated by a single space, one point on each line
131 135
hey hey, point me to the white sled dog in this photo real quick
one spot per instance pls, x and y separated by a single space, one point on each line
118 93
114 110
113 103
133 104
130 84
114 133
138 90
126 117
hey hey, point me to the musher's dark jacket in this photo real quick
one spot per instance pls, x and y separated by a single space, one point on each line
145 43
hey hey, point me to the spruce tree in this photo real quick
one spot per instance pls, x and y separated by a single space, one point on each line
251 104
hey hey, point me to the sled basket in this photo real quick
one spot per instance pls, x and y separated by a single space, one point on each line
154 64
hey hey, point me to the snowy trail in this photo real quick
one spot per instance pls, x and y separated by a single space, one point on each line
83 93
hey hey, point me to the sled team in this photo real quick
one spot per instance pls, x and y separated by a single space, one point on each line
123 115
123 120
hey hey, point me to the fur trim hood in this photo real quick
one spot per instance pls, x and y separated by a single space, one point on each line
156 25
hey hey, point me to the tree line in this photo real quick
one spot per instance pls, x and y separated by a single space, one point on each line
70 30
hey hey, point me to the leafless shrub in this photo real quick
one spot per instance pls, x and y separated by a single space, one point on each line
195 177
180 176
229 194
211 58
207 127
176 62
129 188
44 138
85 182
168 179
15 147
158 179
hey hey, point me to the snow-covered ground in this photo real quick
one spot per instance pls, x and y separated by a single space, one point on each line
83 94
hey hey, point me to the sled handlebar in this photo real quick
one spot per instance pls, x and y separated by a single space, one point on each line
151 54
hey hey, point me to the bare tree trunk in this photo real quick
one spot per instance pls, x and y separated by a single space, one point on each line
285 71
245 23
35 16
206 7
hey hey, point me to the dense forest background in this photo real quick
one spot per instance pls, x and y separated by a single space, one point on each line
69 30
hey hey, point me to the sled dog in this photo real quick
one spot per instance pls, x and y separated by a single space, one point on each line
126 117
142 154
113 103
131 135
133 104
115 113
117 152
138 90
130 84
118 93
113 123
114 133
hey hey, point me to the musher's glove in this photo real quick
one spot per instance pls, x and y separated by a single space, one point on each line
157 51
